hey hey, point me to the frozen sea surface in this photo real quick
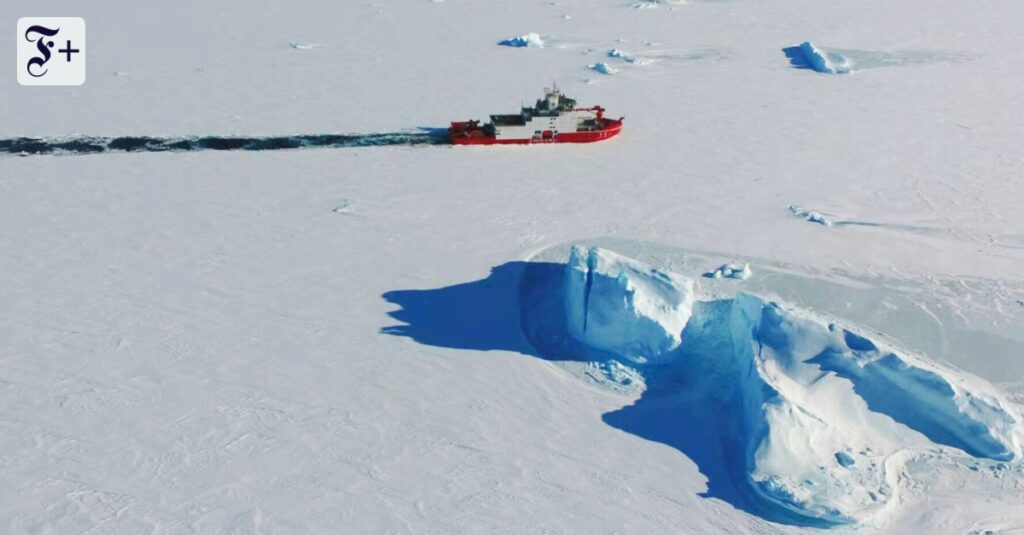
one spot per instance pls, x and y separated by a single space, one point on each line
290 341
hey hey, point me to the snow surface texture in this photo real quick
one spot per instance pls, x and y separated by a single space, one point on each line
807 56
618 305
530 40
816 418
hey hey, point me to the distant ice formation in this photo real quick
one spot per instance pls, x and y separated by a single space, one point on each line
807 56
812 423
625 56
810 215
603 68
618 305
530 40
731 271
649 4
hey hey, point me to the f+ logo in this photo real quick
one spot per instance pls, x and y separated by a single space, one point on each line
38 39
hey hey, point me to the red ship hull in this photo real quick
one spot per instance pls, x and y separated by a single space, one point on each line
467 135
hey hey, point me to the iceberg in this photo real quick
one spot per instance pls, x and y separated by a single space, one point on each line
603 68
808 56
625 307
813 421
530 40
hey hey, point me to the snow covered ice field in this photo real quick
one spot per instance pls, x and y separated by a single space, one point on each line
368 339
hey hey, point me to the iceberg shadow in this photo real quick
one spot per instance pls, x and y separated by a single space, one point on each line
481 315
706 408
711 398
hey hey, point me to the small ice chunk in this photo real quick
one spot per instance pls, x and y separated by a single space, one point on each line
810 215
625 307
616 376
731 271
625 56
530 40
809 56
603 68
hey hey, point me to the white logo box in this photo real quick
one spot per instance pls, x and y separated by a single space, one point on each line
51 51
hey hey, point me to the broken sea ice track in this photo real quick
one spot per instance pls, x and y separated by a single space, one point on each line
792 417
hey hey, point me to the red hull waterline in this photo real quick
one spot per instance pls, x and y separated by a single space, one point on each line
611 128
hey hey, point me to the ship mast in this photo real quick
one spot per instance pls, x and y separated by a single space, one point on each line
551 95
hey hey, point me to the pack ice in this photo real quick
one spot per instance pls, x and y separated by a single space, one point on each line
815 420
